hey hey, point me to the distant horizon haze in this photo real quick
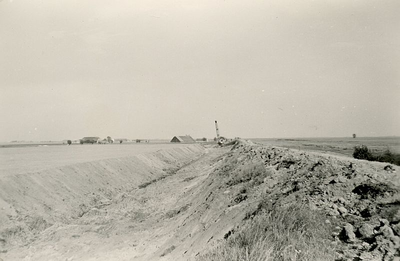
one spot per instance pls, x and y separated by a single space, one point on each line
150 69
210 138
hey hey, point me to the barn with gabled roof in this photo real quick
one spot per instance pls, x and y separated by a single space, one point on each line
90 140
183 139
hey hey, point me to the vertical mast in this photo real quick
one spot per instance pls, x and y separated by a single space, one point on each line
216 128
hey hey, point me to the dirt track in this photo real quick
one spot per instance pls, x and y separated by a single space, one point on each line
176 204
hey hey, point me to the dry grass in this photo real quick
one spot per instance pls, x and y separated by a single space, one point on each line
255 172
288 233
23 232
232 250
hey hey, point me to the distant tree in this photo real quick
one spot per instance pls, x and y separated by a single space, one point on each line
69 142
120 141
81 141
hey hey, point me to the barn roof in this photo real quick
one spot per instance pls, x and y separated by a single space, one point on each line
90 138
183 139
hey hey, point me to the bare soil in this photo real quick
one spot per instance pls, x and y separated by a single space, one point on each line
178 203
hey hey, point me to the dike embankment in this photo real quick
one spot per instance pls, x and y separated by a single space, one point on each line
198 203
357 202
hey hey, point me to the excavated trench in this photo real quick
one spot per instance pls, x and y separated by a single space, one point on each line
179 204
32 203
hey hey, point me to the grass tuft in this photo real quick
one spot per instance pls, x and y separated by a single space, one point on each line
294 233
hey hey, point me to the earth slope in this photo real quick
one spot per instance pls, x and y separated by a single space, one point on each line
180 205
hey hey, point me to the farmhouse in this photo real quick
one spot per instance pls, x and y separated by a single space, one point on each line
90 140
183 139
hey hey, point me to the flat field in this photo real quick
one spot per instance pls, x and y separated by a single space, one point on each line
337 146
26 159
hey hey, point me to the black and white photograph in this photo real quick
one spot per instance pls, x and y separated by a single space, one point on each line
200 130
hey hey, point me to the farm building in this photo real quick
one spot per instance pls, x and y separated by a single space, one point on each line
90 140
183 139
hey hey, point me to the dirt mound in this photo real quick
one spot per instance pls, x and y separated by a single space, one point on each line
359 199
180 205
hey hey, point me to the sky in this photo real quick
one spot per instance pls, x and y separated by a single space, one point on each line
156 69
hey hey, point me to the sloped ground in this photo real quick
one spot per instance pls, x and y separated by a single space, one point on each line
191 204
40 210
360 200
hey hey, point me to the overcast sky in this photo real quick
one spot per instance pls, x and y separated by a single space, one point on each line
155 69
